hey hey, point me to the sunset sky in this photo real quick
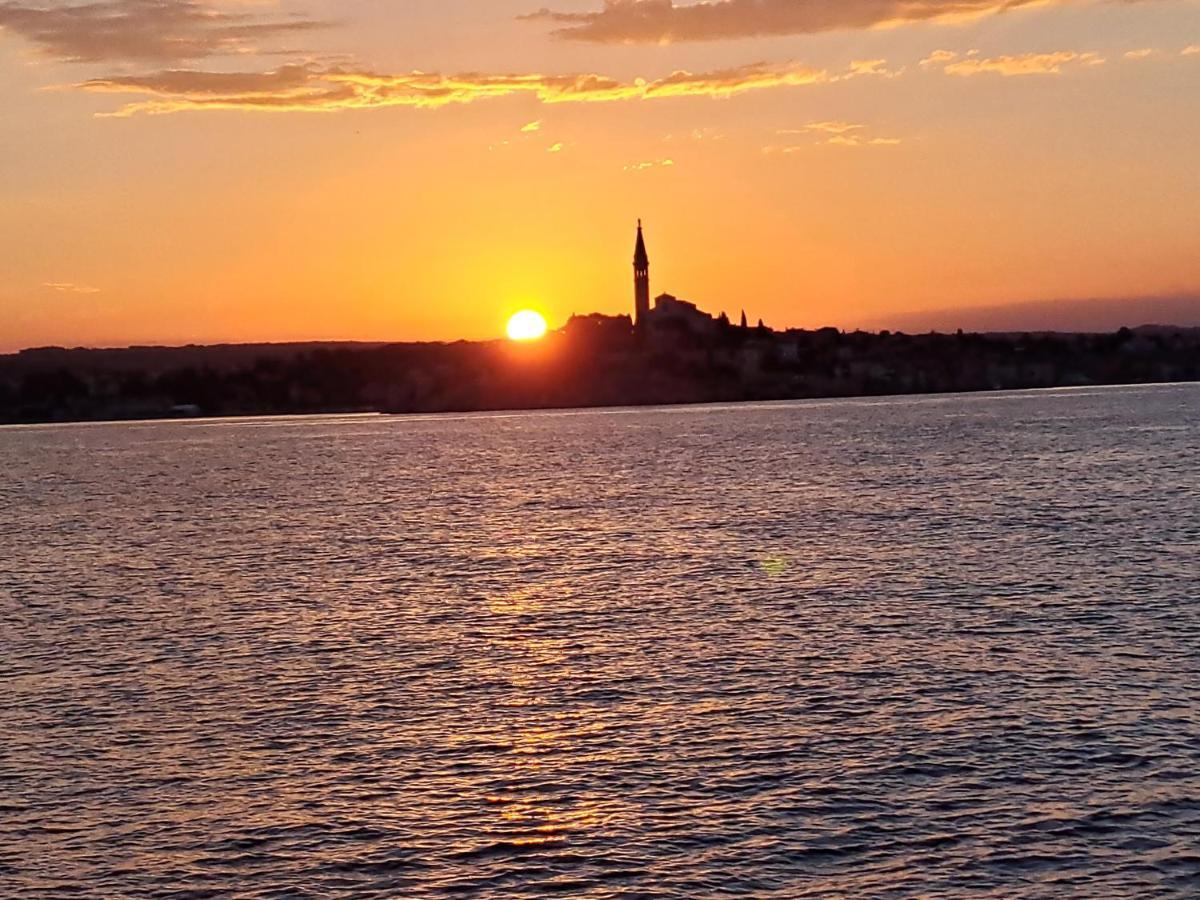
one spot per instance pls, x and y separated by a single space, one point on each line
180 171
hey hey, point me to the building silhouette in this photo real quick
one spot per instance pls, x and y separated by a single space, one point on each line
668 313
641 280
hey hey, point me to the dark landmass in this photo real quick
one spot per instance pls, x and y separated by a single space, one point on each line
683 357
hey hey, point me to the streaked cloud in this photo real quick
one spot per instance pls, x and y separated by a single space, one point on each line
308 87
158 31
854 140
834 128
70 287
665 21
831 133
973 63
1193 50
698 134
532 127
1140 54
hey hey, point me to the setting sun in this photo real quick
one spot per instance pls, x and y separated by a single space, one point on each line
526 325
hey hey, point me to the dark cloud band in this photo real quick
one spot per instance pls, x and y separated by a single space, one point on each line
143 30
665 21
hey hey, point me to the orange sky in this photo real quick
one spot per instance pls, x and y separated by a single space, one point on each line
211 170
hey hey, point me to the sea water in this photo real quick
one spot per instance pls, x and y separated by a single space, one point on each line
903 647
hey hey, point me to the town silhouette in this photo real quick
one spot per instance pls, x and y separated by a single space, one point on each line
668 351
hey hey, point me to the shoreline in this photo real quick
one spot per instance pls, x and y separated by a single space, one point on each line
593 363
510 412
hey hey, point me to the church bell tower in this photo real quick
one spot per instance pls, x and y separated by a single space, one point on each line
641 280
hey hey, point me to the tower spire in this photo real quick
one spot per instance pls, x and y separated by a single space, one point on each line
641 279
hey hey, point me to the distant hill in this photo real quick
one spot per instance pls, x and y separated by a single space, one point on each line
1097 316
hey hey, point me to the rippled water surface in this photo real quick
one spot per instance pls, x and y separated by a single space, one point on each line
934 646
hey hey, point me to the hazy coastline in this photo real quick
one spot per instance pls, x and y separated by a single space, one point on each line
594 361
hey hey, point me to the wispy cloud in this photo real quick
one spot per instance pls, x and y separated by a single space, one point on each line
650 164
1143 53
665 21
940 58
159 31
834 128
70 287
832 133
697 134
1193 50
307 87
532 127
875 67
1008 66
854 140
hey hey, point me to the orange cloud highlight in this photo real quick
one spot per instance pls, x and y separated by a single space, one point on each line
312 88
1009 66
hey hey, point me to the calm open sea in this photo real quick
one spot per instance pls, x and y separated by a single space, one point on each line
903 647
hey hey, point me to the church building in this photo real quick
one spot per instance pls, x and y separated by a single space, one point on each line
668 310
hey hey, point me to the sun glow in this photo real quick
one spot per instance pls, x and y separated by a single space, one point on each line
526 325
